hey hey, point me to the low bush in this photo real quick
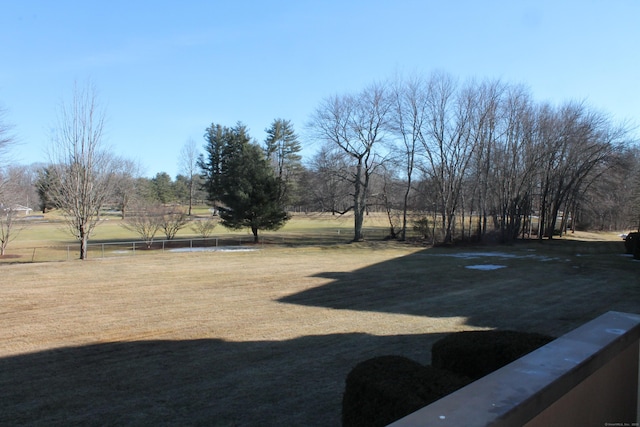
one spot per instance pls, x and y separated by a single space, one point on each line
423 226
631 241
386 388
475 354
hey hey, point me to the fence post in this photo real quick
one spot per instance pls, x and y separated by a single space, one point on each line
103 250
67 253
134 248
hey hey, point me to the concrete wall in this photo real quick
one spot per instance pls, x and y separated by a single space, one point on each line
586 377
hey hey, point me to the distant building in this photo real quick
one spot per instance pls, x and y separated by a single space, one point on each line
21 210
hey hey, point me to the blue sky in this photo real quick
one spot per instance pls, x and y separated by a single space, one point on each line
166 70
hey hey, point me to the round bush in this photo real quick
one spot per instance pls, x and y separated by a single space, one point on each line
631 242
386 388
475 354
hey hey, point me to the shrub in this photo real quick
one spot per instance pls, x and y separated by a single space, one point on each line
423 227
204 227
386 388
475 354
630 241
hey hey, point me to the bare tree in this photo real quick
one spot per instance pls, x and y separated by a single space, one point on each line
575 140
16 187
82 167
631 194
387 189
6 137
172 220
409 119
6 227
22 181
10 226
327 181
515 164
448 142
505 158
355 124
204 227
11 193
145 220
6 140
149 218
189 166
125 173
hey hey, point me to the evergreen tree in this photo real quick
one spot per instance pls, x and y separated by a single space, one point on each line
282 149
239 177
163 188
211 163
44 184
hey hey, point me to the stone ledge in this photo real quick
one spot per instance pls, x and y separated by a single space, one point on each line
533 387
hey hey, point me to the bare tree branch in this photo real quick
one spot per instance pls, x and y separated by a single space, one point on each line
82 168
189 166
356 124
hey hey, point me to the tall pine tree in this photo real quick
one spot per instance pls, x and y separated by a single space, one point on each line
241 182
211 163
282 149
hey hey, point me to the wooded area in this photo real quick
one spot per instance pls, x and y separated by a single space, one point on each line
483 158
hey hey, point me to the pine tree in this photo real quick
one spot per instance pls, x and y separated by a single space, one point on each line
239 178
163 188
44 187
282 149
211 163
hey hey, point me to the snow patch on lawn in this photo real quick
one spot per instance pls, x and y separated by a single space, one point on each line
484 267
504 255
493 254
201 249
216 249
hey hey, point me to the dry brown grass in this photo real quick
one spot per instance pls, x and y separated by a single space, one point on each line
268 337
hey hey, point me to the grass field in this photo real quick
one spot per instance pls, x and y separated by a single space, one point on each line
267 337
49 239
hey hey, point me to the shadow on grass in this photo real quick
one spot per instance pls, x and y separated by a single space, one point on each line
548 287
301 381
197 382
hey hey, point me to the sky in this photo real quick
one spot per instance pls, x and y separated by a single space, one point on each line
166 70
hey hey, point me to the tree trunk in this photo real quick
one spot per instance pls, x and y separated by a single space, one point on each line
358 209
254 230
405 204
392 230
190 195
358 221
83 243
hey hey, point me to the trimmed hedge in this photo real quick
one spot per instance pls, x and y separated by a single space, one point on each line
475 354
384 389
631 242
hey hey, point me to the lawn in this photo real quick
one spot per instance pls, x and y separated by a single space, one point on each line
49 239
267 337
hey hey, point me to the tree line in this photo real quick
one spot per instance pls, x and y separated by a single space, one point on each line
482 158
473 160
